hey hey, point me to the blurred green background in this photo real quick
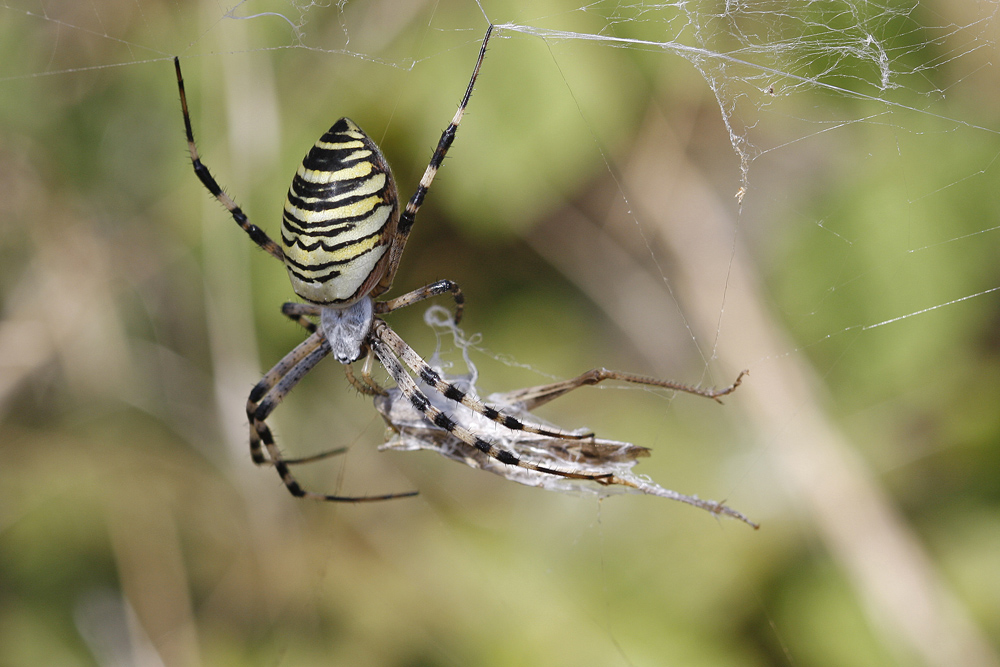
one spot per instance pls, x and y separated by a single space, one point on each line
587 209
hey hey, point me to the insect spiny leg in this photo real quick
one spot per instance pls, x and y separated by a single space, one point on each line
532 397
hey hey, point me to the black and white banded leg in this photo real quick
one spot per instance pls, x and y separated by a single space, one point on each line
267 395
434 415
401 350
255 233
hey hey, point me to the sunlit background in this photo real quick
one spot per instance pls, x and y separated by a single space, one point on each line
592 211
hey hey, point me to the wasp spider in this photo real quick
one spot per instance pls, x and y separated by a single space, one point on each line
342 236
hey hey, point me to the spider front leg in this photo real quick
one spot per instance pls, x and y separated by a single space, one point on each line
409 214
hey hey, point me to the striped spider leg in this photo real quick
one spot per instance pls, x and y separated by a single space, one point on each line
342 237
409 430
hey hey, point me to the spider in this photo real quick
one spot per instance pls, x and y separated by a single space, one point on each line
342 237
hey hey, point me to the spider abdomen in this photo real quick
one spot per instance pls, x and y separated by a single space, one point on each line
340 217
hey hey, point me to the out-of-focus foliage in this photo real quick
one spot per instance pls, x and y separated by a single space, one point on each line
136 317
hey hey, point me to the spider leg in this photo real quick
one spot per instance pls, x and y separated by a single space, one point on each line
435 416
532 397
263 390
256 234
426 292
268 394
431 377
298 312
408 215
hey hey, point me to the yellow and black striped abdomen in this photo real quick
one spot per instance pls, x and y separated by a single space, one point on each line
340 217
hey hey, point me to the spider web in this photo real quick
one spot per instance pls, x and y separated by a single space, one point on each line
804 189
